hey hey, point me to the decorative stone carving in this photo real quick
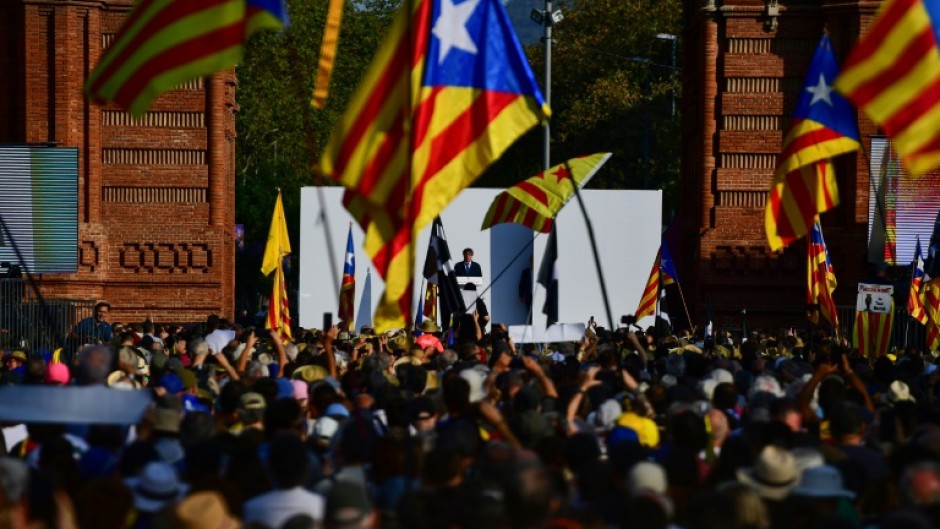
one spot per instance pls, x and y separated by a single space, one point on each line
166 258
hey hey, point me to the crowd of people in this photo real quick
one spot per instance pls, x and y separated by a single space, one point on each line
347 428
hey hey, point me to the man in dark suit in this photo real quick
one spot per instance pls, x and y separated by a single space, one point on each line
468 268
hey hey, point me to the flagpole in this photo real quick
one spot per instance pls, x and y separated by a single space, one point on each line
684 306
597 260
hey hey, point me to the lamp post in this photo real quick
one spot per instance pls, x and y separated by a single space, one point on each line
672 39
547 19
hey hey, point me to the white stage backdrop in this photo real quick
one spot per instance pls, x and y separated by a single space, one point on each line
626 224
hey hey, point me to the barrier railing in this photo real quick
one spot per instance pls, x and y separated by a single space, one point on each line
23 324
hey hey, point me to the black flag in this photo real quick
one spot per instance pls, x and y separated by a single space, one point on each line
439 270
932 263
548 278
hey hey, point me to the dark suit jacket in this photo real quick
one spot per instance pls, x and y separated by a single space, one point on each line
460 269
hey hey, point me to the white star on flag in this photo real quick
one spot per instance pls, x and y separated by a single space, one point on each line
820 92
451 27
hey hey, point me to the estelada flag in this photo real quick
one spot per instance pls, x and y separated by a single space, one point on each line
164 43
535 201
893 74
915 302
347 289
823 126
448 91
820 278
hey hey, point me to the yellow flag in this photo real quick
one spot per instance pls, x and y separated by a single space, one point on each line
278 241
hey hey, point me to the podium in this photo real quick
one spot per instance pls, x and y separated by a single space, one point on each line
469 296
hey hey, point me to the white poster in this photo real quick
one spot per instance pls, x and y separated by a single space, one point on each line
874 298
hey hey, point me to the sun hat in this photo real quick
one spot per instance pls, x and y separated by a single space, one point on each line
428 326
773 474
204 510
898 391
18 354
120 380
156 486
252 401
265 359
310 373
824 481
646 475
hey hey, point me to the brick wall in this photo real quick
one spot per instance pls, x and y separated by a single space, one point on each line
156 194
741 78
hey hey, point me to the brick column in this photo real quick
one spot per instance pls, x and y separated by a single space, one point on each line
709 92
90 192
215 117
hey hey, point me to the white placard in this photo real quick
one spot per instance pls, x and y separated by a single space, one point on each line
874 298
559 332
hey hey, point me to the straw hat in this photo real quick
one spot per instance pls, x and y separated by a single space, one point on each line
898 391
428 326
204 510
773 474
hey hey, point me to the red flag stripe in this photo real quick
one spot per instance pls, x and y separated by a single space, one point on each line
193 49
808 140
533 191
170 14
877 34
924 44
395 69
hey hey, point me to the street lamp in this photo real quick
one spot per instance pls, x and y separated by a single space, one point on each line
672 39
547 18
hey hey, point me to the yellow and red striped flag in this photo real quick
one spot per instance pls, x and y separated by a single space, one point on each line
448 92
164 43
823 126
821 278
535 201
872 332
647 305
277 248
893 74
931 300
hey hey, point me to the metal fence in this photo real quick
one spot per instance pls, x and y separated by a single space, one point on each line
906 331
24 323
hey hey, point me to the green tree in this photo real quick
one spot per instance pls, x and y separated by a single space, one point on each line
279 133
611 85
